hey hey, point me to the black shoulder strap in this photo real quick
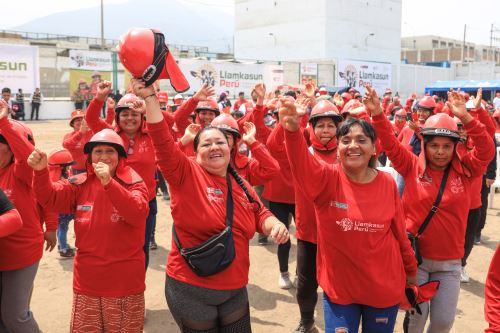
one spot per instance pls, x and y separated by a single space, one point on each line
436 203
229 212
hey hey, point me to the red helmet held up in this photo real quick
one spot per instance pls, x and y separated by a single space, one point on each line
162 96
325 109
440 125
226 123
106 137
126 102
427 103
210 104
145 55
60 157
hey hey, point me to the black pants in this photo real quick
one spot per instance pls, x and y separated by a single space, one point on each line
470 233
282 211
485 191
79 105
35 107
161 183
307 284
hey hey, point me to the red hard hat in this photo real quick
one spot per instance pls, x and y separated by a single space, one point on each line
145 55
60 157
352 104
227 123
22 129
427 103
325 109
75 115
106 137
440 125
210 104
126 102
401 113
346 96
162 96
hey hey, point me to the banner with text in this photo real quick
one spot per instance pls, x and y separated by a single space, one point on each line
19 67
309 73
357 74
229 76
87 69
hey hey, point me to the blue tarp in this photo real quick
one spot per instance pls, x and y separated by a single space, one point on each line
491 85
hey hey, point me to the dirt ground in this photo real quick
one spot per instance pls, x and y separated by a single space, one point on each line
272 309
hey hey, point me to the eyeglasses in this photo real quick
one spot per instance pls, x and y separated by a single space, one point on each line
131 147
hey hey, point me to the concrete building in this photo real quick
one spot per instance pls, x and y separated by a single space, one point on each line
425 49
296 30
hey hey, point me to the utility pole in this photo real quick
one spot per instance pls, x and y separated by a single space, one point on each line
463 44
102 25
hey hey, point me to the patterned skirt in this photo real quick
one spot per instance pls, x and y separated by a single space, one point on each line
107 314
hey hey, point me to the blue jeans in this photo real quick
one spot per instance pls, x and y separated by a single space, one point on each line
345 318
400 183
62 230
150 221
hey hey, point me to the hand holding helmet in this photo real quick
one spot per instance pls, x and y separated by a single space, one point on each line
456 103
204 93
372 102
102 172
103 90
140 89
250 132
37 160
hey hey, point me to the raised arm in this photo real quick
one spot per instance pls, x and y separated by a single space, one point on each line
181 116
93 114
110 111
173 163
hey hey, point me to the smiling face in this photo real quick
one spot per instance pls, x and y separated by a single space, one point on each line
325 130
212 151
206 117
439 152
5 155
106 154
423 114
355 149
129 121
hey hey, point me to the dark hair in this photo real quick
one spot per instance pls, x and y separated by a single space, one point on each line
290 93
196 140
367 128
316 119
241 93
237 114
6 90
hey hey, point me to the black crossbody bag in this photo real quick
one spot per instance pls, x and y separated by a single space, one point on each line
216 253
414 238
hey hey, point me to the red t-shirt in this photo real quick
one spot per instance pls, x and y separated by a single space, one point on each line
363 250
109 230
203 195
443 239
24 247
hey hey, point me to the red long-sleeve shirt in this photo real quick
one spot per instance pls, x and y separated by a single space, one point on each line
492 295
203 195
280 188
109 229
443 238
10 222
140 155
258 169
363 250
24 247
74 143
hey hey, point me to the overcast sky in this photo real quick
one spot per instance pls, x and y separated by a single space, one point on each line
420 17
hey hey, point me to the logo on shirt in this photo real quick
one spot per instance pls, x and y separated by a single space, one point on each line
340 205
457 186
347 225
115 217
214 194
84 208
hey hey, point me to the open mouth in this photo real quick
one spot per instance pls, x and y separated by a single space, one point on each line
215 156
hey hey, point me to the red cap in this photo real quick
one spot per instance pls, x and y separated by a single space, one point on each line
60 157
427 103
352 104
126 102
226 122
401 113
145 55
22 130
106 137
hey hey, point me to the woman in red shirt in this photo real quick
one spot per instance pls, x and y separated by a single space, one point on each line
364 257
21 251
202 189
75 140
492 294
110 206
10 220
442 242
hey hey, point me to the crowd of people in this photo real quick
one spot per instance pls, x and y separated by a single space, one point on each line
232 171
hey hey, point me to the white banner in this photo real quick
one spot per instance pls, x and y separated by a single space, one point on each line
229 76
309 69
19 67
90 60
357 74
